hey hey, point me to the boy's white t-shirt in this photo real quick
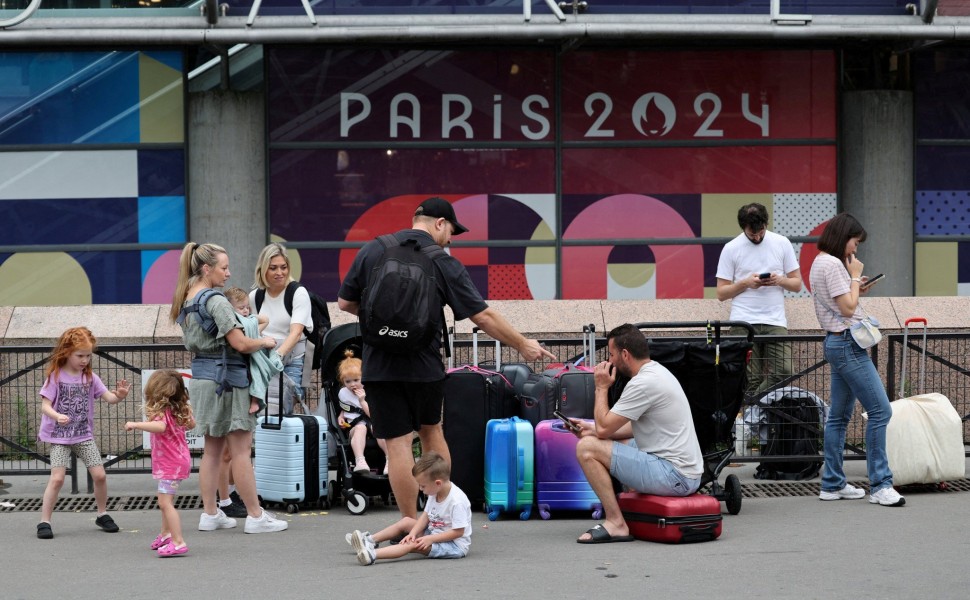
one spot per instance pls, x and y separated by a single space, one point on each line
453 512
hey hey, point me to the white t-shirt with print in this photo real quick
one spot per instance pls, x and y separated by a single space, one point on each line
454 512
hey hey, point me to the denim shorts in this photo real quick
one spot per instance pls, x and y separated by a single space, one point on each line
445 550
648 473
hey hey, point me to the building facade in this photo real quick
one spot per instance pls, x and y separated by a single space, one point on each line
603 154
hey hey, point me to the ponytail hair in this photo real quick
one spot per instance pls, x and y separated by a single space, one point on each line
190 270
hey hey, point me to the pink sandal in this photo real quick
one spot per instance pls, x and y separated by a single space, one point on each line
161 541
171 549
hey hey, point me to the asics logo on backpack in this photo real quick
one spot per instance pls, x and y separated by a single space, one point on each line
385 330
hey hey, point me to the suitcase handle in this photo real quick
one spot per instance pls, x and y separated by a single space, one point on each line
901 393
278 425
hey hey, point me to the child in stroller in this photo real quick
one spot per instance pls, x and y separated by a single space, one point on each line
354 412
356 487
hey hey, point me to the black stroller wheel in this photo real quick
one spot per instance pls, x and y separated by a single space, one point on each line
732 486
357 504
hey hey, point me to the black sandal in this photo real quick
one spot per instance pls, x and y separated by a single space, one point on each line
44 531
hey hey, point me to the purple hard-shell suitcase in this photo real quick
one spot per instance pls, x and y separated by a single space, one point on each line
560 481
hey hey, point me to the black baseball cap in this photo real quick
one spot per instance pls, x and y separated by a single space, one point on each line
440 208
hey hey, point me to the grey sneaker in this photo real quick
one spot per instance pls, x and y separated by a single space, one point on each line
887 496
219 520
265 523
849 492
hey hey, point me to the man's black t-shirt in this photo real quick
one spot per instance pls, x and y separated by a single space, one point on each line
456 289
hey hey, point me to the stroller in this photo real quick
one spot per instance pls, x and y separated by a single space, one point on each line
713 373
356 488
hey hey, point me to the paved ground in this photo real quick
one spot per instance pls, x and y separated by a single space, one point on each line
785 547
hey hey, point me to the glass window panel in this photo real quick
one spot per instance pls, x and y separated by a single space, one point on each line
90 97
745 169
702 95
410 95
357 194
942 88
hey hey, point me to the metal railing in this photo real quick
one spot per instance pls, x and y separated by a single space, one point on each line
22 372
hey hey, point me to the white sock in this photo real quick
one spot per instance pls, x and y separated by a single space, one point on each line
225 502
232 488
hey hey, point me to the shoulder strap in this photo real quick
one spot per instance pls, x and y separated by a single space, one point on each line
288 294
260 295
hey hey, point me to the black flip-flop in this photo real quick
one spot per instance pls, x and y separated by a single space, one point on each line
599 535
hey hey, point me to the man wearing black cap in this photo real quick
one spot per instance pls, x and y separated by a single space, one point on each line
405 391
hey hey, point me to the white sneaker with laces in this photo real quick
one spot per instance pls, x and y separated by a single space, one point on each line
219 520
360 539
265 523
849 492
887 496
364 534
366 555
361 465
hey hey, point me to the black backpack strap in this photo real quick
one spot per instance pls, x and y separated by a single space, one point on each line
260 295
288 294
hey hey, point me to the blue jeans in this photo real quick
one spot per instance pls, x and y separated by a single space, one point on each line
854 376
648 473
295 370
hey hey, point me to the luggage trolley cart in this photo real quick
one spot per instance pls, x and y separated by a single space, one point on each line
713 372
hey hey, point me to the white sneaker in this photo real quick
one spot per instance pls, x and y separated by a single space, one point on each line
849 492
361 539
219 520
265 523
887 496
361 465
366 555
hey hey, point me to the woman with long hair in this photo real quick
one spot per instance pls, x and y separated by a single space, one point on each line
837 283
220 383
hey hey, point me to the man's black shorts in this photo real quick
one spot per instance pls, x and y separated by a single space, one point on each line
399 408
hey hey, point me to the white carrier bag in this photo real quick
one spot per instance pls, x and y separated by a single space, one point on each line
924 439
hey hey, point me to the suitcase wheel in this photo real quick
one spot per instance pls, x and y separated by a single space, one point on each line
493 513
292 508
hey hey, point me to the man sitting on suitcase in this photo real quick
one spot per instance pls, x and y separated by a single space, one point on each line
646 441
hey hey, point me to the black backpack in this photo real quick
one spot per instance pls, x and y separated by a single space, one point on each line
793 430
319 316
401 308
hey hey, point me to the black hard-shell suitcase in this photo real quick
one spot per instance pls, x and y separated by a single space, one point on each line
472 397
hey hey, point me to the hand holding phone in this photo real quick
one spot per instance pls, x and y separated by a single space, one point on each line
871 280
567 422
764 276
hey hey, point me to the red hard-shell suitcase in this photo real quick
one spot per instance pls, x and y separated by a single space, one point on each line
672 520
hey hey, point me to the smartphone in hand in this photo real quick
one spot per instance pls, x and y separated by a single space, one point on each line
871 280
764 276
568 423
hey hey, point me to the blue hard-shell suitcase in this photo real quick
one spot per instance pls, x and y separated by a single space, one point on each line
291 461
509 464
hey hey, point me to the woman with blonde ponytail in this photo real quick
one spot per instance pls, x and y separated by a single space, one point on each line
219 387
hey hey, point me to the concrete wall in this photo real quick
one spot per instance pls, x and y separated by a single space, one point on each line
227 177
877 182
148 324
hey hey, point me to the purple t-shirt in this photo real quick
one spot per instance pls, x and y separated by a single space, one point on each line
170 450
71 395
